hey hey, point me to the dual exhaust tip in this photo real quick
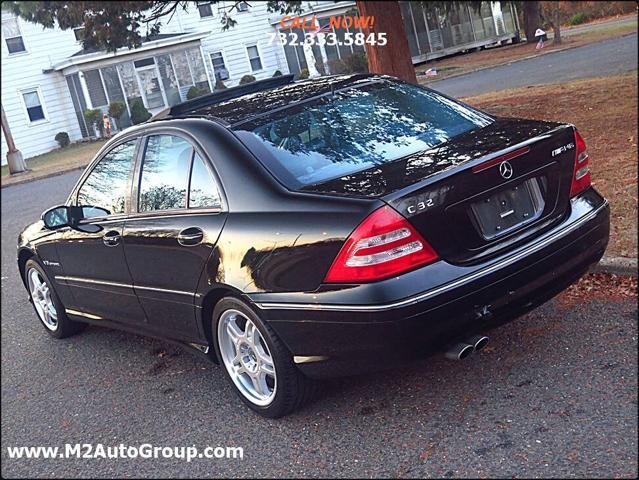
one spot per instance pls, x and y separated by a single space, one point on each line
461 350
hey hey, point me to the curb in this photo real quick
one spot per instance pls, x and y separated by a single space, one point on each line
510 62
617 266
42 177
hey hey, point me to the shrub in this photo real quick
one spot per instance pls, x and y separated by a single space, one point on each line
303 73
116 109
139 113
320 67
577 18
94 118
277 73
195 92
219 85
62 138
354 63
247 79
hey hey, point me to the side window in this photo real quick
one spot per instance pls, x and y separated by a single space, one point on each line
204 192
108 182
165 173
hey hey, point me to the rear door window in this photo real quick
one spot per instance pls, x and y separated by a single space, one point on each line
165 173
204 192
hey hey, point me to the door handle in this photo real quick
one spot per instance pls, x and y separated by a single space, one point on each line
190 237
111 238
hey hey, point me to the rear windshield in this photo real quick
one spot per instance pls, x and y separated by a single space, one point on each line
354 130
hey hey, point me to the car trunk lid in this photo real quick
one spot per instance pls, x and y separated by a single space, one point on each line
480 193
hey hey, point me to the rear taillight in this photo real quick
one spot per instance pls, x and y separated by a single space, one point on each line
581 171
383 245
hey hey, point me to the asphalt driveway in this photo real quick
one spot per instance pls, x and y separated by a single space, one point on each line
555 394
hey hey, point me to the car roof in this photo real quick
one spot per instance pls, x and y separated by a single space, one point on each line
243 103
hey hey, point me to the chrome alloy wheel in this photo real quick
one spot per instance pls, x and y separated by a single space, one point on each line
246 357
41 296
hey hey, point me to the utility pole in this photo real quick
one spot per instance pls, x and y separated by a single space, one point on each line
14 156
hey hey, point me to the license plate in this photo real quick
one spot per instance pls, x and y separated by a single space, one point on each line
508 209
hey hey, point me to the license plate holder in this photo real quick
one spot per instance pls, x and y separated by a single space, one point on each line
508 209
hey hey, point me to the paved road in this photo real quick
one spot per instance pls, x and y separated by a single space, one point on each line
610 57
555 396
593 27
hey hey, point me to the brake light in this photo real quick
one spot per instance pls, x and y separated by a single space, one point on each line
383 245
581 171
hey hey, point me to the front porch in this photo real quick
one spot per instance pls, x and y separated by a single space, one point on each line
159 74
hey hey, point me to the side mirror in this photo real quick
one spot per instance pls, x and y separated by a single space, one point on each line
66 216
57 217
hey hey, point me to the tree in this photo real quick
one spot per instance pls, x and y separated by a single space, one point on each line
551 11
532 19
394 58
112 25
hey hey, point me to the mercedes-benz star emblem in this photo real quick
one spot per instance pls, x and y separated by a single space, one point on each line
506 170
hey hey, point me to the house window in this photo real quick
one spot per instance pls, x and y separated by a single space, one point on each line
242 7
12 35
79 34
205 10
198 69
33 105
254 58
219 68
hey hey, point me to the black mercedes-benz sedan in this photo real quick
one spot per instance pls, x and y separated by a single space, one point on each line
294 230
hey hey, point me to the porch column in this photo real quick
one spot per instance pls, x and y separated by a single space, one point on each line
310 60
91 131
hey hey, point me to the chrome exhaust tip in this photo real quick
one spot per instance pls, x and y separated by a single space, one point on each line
459 351
478 342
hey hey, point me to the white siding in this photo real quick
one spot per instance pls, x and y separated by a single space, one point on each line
24 70
252 27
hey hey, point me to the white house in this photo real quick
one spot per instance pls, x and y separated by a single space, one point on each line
48 80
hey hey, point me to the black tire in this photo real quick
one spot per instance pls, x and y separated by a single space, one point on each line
65 327
293 388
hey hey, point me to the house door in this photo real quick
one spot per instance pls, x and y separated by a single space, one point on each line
151 88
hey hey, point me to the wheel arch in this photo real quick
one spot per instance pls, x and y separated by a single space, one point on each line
210 300
24 254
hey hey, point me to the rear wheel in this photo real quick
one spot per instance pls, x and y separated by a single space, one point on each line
46 303
256 362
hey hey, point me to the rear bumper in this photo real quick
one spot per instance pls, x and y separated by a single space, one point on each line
349 330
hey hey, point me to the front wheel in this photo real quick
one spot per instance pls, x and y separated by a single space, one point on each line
256 362
46 303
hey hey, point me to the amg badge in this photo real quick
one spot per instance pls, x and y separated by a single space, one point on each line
562 149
